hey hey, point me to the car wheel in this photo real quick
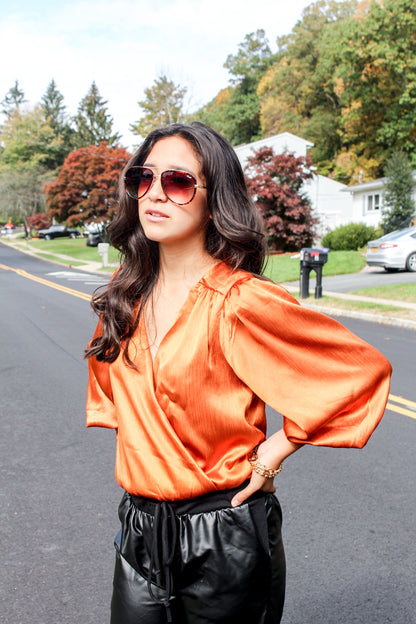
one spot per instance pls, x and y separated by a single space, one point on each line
411 262
48 237
390 269
72 235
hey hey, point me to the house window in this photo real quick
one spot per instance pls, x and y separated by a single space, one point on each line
373 202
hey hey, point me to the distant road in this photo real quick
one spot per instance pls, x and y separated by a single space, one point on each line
348 515
367 278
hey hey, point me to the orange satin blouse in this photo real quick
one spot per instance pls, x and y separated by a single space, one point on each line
187 420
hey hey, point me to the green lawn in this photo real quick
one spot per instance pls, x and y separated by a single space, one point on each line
404 292
286 267
352 305
76 248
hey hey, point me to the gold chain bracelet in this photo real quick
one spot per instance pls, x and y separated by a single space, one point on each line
261 469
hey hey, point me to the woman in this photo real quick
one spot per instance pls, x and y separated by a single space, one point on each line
190 345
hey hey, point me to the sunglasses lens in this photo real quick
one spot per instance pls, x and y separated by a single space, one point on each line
138 181
179 186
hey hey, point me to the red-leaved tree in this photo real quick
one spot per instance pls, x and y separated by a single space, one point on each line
38 221
85 190
275 183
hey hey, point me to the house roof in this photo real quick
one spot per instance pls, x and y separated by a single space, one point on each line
275 138
372 185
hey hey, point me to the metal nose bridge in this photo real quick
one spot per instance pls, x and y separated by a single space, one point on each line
156 176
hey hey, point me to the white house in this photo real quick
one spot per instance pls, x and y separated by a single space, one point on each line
367 200
329 204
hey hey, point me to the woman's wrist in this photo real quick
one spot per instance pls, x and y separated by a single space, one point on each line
262 469
274 450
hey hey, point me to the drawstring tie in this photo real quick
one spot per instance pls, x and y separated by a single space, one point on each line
163 551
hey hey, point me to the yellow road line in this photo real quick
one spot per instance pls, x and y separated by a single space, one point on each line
40 280
402 410
401 400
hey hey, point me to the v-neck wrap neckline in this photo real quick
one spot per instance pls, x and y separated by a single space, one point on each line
187 420
182 312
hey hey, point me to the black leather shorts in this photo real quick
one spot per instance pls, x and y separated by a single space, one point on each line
199 561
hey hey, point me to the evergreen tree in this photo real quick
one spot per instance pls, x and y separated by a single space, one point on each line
54 108
398 202
12 100
54 112
92 122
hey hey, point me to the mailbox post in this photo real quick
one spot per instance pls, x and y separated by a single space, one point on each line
311 260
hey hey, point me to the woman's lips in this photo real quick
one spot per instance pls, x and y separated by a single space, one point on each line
156 216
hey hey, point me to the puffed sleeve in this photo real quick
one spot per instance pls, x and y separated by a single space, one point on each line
101 411
330 386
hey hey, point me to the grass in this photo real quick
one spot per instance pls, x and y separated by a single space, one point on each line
286 267
353 305
404 292
71 263
360 306
74 248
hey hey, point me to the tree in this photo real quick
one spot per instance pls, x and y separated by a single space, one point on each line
163 105
252 59
54 112
21 190
235 112
376 72
38 221
299 93
12 100
54 108
92 122
28 159
214 113
86 187
275 182
399 206
29 138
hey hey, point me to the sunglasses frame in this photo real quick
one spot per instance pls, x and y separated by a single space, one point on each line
160 175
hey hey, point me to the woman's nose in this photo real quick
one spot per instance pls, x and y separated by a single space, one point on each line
156 191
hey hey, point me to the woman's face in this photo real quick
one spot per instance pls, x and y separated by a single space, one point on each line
162 220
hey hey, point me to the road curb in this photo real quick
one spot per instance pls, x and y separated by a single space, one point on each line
364 316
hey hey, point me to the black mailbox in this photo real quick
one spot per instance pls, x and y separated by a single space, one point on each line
311 260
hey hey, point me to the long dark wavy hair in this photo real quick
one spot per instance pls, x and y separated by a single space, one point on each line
234 235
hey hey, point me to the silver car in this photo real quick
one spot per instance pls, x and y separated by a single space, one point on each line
394 251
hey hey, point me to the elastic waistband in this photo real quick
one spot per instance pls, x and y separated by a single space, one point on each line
220 499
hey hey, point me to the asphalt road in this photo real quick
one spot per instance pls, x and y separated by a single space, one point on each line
348 515
367 278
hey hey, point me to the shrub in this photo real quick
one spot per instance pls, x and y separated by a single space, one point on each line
349 237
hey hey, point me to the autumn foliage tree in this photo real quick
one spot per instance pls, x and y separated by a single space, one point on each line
275 181
85 190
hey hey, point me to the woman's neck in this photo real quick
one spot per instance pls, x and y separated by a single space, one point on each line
183 265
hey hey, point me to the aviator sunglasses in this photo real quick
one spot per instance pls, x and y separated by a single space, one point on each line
178 186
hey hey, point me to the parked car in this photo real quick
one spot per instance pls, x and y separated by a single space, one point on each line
57 231
394 251
94 239
96 233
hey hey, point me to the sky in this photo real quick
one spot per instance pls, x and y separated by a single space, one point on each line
124 45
